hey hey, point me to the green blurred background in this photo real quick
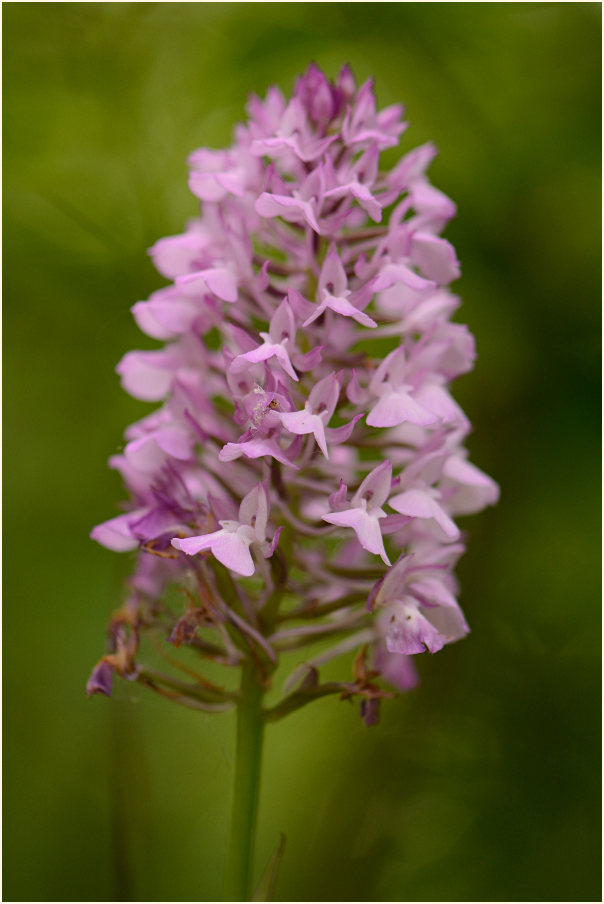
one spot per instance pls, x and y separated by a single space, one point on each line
482 784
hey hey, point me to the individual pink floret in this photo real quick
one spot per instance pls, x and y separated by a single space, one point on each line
231 544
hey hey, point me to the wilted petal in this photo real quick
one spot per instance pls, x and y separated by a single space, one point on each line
370 711
101 679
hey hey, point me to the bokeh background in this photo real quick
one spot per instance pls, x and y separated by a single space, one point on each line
482 784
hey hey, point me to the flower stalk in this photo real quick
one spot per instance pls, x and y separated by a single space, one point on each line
246 792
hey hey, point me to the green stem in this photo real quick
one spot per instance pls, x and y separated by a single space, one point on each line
248 759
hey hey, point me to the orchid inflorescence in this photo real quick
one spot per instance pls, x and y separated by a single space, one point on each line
300 479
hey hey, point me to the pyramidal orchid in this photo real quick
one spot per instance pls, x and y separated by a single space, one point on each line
300 479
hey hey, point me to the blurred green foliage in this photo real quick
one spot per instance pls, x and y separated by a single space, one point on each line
482 784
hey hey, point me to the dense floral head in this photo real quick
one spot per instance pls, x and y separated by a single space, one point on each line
307 437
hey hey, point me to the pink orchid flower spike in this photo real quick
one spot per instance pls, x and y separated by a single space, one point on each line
306 345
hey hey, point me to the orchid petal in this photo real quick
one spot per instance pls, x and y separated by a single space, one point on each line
305 421
366 526
436 257
233 551
398 407
420 504
375 488
294 209
192 545
254 510
255 448
116 534
147 375
409 632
